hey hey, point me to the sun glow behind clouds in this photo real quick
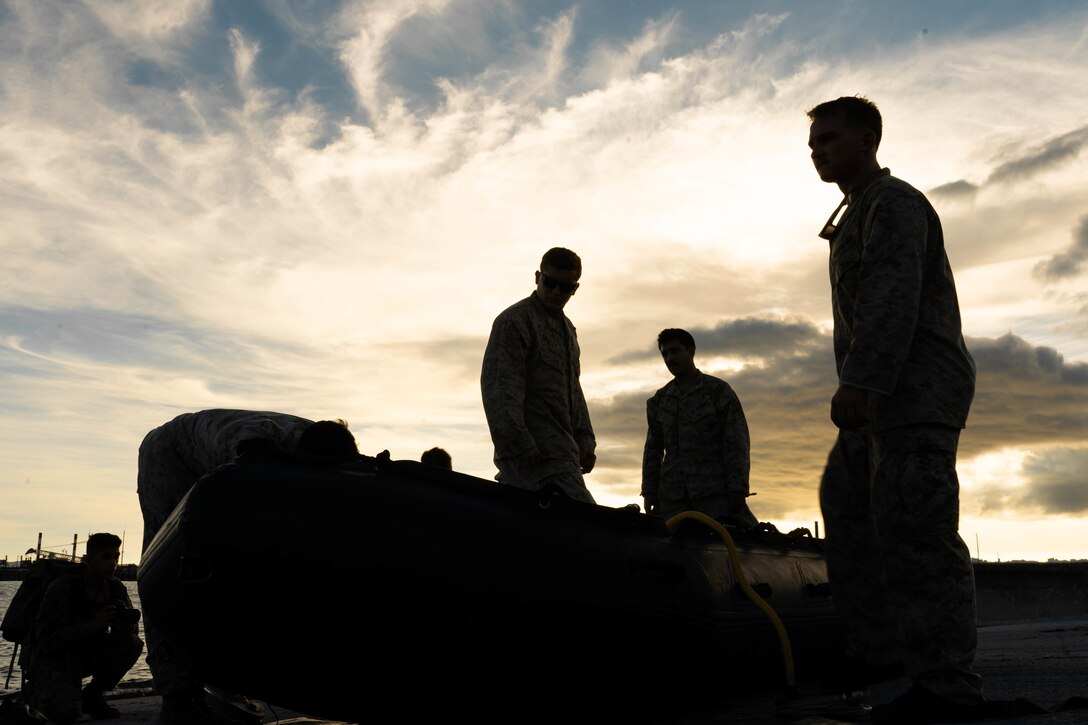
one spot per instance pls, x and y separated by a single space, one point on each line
995 527
995 470
347 256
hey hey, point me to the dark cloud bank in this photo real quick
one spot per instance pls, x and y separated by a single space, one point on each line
1070 262
1026 396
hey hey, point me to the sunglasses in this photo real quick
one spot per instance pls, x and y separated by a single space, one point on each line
832 221
552 283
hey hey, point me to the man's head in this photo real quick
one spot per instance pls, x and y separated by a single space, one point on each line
677 349
103 554
844 136
328 439
437 457
557 278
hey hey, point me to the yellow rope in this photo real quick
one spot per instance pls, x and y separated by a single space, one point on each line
734 560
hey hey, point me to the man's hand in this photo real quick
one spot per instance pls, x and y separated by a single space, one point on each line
650 504
739 513
736 501
586 459
105 616
850 407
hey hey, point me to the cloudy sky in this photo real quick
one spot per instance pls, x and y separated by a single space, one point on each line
319 207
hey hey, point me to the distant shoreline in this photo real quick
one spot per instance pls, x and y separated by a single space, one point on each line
987 573
991 572
125 572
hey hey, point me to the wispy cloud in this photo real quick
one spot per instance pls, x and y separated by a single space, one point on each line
1052 153
955 190
1069 262
320 208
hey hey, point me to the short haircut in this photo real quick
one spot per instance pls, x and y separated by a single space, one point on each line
858 111
437 457
561 258
674 333
328 438
102 542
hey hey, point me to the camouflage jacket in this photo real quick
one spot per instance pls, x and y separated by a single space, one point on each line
896 313
531 390
697 441
208 439
65 618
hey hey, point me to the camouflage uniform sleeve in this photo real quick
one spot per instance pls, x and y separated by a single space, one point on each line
120 591
502 385
652 451
888 292
54 626
211 438
277 431
736 444
580 423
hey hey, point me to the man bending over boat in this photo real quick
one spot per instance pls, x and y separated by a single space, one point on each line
532 395
173 457
696 456
85 626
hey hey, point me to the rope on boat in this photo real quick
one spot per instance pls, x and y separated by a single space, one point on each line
734 560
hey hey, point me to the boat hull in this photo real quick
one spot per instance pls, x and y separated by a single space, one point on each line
337 591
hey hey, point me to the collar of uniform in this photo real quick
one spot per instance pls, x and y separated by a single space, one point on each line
674 384
560 315
858 190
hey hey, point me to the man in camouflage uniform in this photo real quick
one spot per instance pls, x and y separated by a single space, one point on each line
900 573
172 458
532 396
696 455
80 630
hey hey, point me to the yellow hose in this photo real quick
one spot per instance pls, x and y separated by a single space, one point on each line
734 560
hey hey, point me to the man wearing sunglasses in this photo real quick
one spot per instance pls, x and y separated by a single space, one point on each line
531 391
899 572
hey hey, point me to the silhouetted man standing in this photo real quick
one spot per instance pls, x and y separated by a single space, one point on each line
532 396
696 455
899 571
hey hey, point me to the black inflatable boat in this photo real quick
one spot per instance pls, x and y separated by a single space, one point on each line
344 591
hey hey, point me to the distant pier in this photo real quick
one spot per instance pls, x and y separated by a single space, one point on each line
18 572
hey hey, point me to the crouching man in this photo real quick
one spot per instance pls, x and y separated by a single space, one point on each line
86 626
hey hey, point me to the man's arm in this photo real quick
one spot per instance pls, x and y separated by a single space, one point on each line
56 627
889 290
120 594
736 443
652 452
502 386
580 423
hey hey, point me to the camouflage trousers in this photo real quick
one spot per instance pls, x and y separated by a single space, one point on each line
900 574
56 678
570 483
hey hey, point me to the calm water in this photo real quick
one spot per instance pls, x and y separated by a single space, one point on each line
139 671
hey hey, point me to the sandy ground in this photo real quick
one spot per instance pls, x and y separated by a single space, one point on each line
1044 662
